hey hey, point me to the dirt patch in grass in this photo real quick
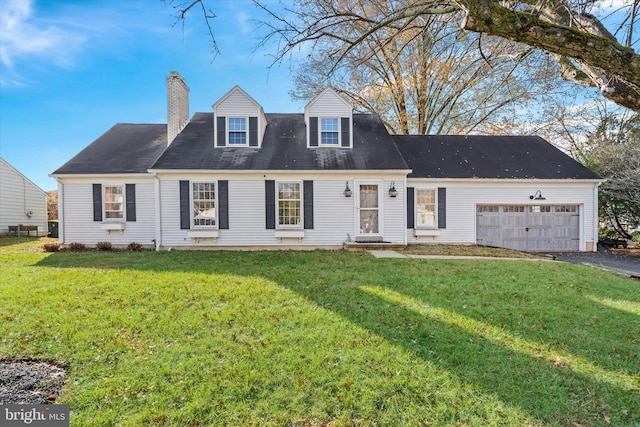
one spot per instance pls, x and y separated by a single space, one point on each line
32 383
467 250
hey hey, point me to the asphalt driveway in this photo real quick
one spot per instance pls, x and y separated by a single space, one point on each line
623 261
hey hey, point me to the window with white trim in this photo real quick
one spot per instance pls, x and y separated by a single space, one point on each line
289 202
203 196
426 208
237 131
113 202
329 131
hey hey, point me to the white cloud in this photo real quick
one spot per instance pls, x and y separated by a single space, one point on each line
26 36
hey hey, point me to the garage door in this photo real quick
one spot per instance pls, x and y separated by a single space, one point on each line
529 228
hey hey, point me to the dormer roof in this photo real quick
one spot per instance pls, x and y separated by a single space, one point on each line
235 95
329 95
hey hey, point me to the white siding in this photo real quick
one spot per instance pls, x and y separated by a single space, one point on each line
334 214
21 201
463 196
236 103
77 224
328 104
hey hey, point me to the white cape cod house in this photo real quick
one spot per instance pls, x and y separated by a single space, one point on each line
242 178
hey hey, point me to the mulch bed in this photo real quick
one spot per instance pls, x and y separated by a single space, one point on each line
32 383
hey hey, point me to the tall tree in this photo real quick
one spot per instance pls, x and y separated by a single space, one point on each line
587 52
613 150
434 78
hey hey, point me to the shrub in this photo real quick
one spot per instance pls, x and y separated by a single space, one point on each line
134 247
77 247
104 246
51 247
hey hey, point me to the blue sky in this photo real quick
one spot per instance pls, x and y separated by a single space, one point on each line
71 69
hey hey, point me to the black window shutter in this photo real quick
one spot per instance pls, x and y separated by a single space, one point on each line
253 131
130 192
442 207
97 202
185 216
223 205
270 203
222 131
344 128
308 204
313 131
411 214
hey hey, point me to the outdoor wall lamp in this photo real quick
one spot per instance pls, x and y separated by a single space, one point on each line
537 196
392 190
347 190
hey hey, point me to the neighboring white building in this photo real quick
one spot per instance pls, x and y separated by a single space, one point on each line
21 202
242 178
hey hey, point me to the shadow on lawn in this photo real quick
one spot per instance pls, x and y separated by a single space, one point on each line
405 302
15 240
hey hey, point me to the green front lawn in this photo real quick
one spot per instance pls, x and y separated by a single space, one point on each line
316 338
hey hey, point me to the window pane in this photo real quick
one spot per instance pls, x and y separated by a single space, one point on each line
113 202
426 208
566 209
368 221
329 124
369 196
329 131
237 124
329 138
488 209
513 209
289 206
237 131
540 209
204 204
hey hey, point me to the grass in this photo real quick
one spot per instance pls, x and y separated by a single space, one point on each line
323 338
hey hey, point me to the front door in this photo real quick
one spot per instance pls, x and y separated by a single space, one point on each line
368 210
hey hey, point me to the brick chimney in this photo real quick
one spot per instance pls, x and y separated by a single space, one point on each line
177 105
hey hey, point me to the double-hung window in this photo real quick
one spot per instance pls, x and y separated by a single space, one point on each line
426 208
203 196
289 202
237 131
113 202
329 131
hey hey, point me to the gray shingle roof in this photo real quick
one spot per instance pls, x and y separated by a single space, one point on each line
505 157
284 148
135 148
125 148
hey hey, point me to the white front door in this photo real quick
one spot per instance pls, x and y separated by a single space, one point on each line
369 210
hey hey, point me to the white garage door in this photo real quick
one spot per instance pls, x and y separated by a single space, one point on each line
529 228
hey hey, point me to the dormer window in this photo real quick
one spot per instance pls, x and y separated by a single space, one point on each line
237 131
329 120
329 131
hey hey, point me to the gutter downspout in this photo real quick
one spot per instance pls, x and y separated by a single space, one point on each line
158 239
404 209
596 224
60 211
